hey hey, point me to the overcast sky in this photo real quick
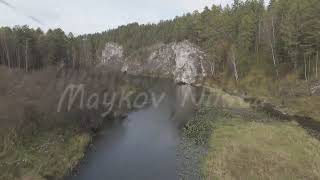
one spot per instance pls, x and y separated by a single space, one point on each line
84 16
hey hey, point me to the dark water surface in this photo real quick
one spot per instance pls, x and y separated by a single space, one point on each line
144 145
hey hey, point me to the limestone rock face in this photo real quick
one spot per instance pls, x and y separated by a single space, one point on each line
315 88
112 56
133 66
161 61
183 61
189 60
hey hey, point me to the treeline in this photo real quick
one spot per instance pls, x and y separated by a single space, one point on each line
281 38
32 49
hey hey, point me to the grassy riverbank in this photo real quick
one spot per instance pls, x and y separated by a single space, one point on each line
289 93
239 149
45 155
36 140
248 145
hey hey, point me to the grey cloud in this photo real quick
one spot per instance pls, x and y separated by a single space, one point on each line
83 16
7 4
21 12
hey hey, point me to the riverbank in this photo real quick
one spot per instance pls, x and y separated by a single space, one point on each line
243 143
289 94
45 155
252 150
37 141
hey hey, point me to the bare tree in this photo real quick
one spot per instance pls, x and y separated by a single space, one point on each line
309 67
73 57
212 68
272 45
26 54
258 41
18 58
234 64
6 50
2 54
317 59
212 64
305 67
307 73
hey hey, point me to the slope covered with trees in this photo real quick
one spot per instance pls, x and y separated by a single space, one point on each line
281 38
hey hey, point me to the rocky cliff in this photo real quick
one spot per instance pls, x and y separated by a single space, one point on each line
112 55
183 61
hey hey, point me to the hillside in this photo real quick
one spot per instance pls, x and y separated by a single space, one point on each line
279 39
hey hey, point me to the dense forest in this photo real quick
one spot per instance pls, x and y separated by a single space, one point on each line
282 38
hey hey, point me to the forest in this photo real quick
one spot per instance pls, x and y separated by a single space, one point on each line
279 39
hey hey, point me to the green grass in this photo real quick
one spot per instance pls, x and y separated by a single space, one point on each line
200 127
239 149
45 155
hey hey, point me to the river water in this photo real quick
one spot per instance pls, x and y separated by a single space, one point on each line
144 145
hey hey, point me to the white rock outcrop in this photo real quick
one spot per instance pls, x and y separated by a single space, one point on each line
112 55
161 61
189 63
183 61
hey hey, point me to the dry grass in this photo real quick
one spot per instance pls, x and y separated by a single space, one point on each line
290 93
223 99
304 105
29 100
46 155
35 140
251 150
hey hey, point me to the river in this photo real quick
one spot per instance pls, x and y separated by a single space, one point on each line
144 145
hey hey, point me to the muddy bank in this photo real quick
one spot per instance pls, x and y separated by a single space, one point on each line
274 111
264 106
239 104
